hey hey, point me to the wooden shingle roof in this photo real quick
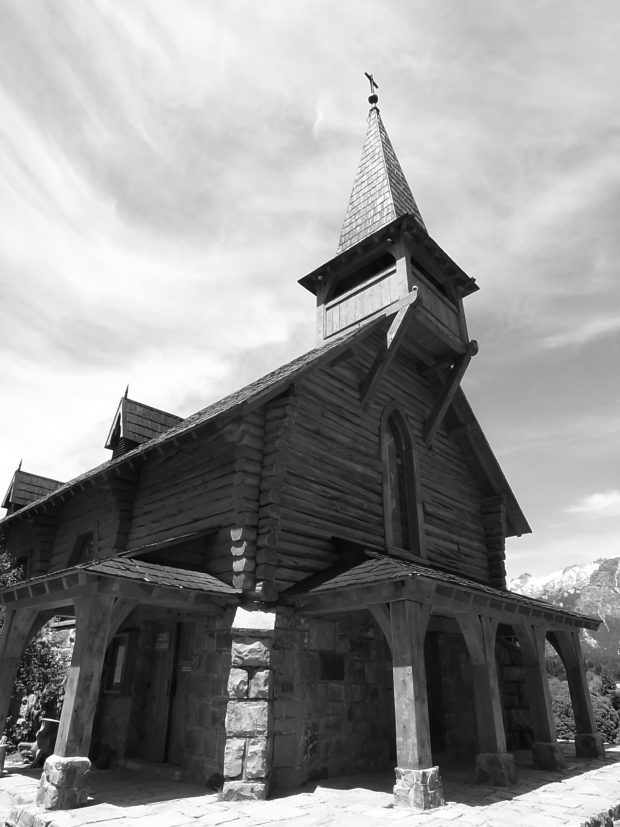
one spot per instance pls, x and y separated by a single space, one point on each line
380 190
380 569
26 488
137 422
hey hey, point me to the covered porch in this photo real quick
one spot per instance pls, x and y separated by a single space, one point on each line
102 596
410 602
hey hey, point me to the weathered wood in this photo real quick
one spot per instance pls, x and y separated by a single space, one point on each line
409 621
18 628
479 632
568 647
447 393
93 615
532 643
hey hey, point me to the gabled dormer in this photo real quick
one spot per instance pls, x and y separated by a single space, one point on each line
386 257
135 423
26 488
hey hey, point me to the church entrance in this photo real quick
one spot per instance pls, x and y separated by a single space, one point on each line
166 699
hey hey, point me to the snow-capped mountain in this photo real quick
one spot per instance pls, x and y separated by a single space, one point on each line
591 589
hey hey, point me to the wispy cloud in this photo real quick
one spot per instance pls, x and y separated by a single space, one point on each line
604 504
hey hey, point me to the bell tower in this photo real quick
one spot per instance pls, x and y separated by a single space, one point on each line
386 260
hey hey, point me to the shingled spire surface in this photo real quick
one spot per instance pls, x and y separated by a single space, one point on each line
380 190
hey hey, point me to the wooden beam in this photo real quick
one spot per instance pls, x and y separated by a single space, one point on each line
532 644
381 614
93 615
17 630
385 356
408 630
447 394
479 632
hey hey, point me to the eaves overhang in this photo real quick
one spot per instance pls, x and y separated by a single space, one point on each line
379 242
383 579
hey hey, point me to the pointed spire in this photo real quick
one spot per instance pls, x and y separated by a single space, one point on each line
380 190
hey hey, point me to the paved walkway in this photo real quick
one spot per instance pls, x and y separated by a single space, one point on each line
123 798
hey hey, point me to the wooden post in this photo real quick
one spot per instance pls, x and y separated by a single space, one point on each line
64 782
92 618
588 743
494 765
417 781
16 632
546 752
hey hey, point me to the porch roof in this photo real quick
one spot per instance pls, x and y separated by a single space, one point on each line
382 579
123 576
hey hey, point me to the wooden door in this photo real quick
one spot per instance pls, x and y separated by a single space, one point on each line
180 686
158 695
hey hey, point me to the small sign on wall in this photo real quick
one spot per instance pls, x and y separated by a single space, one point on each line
162 641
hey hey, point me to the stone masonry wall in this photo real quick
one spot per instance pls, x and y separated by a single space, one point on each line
459 714
119 728
333 707
517 719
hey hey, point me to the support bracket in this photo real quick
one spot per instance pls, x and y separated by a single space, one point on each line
446 395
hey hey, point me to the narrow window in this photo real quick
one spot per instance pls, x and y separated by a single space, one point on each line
403 513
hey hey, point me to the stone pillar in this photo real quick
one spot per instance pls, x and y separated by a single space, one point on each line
249 715
546 754
16 632
588 743
63 783
418 784
494 764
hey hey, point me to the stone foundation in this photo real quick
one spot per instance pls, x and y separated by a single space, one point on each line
496 768
247 755
589 746
547 756
418 789
64 783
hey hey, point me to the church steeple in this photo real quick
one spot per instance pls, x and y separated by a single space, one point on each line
380 190
386 259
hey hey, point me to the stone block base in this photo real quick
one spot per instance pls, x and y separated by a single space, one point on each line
496 768
244 791
64 783
418 789
547 756
589 746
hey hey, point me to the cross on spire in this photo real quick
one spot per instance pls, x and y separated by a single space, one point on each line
373 97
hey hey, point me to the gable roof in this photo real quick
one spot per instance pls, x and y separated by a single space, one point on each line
26 488
382 568
276 382
380 190
138 422
258 391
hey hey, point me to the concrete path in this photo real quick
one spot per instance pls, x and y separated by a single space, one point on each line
120 798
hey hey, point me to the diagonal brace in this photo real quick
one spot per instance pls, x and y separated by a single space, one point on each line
383 359
446 394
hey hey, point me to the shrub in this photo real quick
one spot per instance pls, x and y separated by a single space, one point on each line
605 716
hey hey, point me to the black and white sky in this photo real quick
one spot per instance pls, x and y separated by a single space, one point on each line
169 169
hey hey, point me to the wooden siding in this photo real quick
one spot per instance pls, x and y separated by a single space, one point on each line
329 465
363 300
85 512
186 491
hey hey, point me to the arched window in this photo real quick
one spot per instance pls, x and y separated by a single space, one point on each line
402 507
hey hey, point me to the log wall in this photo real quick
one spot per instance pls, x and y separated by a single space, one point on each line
329 463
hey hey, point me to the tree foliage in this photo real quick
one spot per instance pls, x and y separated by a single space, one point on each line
40 675
605 716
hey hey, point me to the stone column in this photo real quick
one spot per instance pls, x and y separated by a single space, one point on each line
494 764
16 632
418 784
63 783
546 753
588 743
249 715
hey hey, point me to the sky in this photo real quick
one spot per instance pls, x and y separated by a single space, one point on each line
168 170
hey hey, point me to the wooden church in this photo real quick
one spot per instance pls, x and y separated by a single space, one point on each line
307 577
